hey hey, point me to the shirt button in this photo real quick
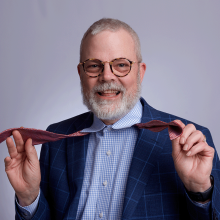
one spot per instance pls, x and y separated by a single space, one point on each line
25 213
105 183
101 215
108 152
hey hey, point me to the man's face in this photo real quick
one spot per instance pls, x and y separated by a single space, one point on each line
110 97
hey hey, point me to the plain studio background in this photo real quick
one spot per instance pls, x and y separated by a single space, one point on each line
39 53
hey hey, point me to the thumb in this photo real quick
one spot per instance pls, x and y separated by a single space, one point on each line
30 150
176 146
7 162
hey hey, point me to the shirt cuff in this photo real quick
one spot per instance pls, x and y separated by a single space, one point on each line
202 205
28 212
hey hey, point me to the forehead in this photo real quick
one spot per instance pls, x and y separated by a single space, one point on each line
108 45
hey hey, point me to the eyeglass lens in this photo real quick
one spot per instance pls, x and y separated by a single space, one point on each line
120 67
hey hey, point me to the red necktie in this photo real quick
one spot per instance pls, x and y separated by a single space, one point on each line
40 136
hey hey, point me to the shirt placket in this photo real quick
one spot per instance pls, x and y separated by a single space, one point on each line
105 182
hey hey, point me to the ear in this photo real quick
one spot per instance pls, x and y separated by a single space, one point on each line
143 68
79 70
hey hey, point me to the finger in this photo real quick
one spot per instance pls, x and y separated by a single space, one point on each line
18 141
12 150
7 162
30 150
195 137
187 131
201 148
180 123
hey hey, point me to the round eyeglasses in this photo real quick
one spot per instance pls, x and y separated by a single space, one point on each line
119 66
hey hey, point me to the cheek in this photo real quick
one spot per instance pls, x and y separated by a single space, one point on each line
88 83
129 84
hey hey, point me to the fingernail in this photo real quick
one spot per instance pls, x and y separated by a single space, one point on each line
185 147
188 154
182 140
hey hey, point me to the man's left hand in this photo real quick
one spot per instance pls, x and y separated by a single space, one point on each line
193 158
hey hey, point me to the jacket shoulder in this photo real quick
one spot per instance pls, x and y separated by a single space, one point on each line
73 124
170 117
155 114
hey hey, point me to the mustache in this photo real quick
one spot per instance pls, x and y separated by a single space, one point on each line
109 86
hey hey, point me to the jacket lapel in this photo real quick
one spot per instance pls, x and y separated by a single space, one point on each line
76 158
148 147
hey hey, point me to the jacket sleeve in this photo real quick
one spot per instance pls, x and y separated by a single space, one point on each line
212 210
28 211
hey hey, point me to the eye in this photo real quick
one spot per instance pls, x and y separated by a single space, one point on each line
93 66
121 65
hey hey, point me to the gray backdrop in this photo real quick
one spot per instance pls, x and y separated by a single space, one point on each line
39 52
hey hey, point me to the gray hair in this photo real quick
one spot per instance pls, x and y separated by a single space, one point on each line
112 25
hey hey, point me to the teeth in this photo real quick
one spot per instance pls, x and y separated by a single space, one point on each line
110 91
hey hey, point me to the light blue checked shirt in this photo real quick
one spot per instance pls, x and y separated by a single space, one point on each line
108 160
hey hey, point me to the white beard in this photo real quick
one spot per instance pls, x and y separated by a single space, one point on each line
110 109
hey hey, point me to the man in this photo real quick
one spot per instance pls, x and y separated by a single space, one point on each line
117 171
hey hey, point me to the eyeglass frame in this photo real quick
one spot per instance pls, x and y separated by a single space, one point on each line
110 64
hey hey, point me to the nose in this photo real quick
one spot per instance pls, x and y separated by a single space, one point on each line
107 74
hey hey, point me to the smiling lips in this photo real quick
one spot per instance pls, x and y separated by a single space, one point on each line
109 93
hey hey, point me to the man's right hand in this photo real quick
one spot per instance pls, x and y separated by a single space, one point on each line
23 169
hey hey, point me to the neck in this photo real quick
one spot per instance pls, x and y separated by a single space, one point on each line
110 122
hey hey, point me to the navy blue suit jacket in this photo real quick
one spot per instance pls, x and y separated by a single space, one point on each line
154 190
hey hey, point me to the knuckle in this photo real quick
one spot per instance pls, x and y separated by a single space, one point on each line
199 133
192 126
213 150
178 121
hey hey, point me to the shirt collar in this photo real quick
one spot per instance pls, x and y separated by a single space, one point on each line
133 117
